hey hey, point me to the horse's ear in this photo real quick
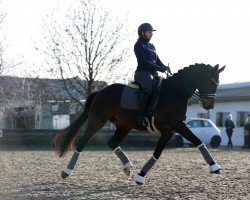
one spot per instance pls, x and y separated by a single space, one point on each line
216 67
221 69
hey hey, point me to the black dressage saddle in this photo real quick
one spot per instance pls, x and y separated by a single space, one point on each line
133 92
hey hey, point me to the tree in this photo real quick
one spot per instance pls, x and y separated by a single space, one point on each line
10 90
2 63
6 65
90 44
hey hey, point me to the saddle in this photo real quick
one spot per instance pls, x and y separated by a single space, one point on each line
133 91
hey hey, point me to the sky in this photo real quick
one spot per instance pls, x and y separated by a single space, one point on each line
187 31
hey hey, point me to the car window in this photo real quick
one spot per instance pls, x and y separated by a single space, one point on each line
199 123
194 123
207 124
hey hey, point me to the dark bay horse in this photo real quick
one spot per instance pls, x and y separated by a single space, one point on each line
169 115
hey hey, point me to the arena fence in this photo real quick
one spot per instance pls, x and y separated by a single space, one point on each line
43 138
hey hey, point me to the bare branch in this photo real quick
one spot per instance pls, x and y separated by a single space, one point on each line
88 44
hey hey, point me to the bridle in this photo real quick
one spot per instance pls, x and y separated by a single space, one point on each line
201 98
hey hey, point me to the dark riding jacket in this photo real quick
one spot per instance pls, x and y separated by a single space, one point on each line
229 124
147 58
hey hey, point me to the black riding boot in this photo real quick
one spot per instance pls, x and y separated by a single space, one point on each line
143 102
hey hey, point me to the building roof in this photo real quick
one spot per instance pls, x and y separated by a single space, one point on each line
34 88
233 92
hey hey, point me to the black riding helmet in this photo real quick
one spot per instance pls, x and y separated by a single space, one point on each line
145 27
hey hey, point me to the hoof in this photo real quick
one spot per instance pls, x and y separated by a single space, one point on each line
216 172
64 175
127 168
140 180
127 171
138 183
215 169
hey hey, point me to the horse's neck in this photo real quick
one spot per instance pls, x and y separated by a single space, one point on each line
188 81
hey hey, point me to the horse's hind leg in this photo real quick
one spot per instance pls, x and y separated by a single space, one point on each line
92 128
165 137
114 142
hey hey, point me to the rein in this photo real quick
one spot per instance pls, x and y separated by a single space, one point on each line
200 96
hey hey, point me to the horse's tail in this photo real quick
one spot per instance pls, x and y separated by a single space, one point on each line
63 140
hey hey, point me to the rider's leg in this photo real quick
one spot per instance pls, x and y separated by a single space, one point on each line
144 78
143 103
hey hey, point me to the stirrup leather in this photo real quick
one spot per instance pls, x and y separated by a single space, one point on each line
142 120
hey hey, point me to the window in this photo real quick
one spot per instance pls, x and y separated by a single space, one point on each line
221 118
23 117
55 107
203 115
194 123
198 123
207 124
241 118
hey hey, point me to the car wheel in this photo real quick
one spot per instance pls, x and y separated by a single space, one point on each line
179 141
215 141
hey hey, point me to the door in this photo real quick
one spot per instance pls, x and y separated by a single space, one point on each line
197 127
202 129
60 121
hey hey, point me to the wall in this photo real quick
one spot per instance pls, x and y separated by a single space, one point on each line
43 138
233 108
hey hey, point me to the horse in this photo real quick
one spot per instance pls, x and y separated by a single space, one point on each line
169 116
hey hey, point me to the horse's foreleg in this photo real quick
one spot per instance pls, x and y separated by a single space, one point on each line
114 145
215 168
182 129
165 137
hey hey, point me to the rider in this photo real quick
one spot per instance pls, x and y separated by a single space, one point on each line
148 64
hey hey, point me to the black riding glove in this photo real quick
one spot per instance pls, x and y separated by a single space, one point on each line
162 69
165 68
168 69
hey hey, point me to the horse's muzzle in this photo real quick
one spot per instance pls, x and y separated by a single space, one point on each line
208 104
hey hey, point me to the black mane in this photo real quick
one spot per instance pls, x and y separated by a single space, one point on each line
194 69
187 79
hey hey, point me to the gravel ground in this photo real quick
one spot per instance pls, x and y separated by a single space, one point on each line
181 173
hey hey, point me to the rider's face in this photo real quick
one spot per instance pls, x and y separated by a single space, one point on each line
148 34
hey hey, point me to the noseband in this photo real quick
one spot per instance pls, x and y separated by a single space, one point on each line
201 98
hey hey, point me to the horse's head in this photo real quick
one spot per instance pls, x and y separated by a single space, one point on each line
208 87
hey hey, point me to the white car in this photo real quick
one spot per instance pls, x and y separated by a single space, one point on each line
204 129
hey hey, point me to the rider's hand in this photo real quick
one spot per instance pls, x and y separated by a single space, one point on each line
162 69
156 75
168 69
165 68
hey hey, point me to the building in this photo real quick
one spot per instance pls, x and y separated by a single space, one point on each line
231 98
28 103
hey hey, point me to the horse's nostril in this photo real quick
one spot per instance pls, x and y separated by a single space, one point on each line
210 107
